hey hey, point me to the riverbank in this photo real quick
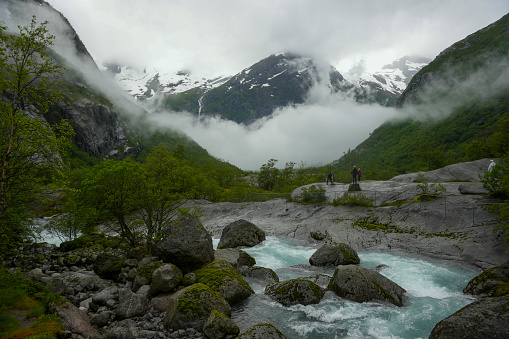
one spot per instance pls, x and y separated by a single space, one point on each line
454 226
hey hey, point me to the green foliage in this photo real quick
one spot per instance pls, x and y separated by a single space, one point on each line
312 195
353 200
427 189
31 298
29 148
115 190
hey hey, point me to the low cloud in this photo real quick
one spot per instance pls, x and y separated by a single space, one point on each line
315 134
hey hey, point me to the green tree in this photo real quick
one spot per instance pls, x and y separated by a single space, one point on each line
269 175
29 148
115 190
164 191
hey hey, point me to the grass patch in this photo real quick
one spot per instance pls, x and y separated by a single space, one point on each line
353 200
24 308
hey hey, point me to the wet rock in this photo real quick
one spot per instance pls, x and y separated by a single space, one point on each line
262 331
191 306
260 273
220 326
241 233
222 278
185 244
321 280
334 255
492 282
485 318
361 284
234 257
295 291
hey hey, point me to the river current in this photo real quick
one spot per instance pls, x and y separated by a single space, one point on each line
434 291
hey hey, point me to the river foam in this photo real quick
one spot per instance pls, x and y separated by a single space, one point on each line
434 291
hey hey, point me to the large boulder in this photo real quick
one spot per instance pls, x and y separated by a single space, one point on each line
241 233
485 318
360 284
108 266
106 296
76 321
130 304
492 282
219 326
235 257
165 279
322 280
334 255
191 306
262 331
295 291
259 273
186 244
224 279
145 273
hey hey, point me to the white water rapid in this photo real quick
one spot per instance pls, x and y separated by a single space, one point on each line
434 291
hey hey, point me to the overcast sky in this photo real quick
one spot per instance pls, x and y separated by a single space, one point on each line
226 36
222 37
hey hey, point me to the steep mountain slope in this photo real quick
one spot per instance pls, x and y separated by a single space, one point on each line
392 79
455 106
277 81
106 121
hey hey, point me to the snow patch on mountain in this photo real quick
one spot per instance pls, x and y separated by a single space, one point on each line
144 84
392 78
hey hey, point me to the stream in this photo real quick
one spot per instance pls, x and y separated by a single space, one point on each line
434 291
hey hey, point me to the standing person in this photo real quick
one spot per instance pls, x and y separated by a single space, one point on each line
359 174
492 164
354 174
330 177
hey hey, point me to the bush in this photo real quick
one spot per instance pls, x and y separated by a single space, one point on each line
353 200
312 195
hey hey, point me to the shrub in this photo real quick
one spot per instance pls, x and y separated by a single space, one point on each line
313 195
353 200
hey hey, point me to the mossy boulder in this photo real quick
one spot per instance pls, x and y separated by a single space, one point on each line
165 279
262 331
191 306
241 233
360 284
224 279
485 318
234 257
186 244
295 291
259 273
492 282
108 266
334 255
219 326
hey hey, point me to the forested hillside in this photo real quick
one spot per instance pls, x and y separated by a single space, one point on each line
455 109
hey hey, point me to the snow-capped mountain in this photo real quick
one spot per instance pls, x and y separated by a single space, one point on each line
392 78
277 81
144 84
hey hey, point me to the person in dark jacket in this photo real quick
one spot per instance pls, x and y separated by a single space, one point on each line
354 174
359 174
330 177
